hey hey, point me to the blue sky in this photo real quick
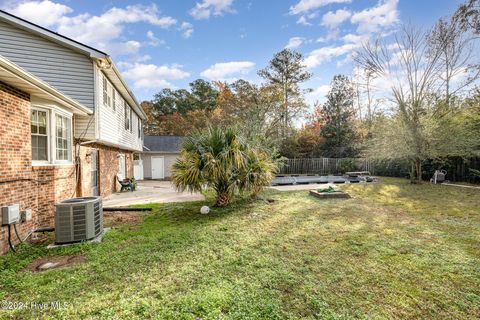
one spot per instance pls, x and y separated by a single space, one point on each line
161 44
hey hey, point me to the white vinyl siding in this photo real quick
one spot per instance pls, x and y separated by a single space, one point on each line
68 71
85 127
113 120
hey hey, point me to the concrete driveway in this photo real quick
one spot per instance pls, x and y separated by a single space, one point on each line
149 191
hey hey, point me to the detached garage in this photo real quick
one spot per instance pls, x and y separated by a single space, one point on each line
160 152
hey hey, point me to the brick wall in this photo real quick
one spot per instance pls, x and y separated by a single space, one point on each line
35 188
108 164
38 188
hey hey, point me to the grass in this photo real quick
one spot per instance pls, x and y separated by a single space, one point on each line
395 250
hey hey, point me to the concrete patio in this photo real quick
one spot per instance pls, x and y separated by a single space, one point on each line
149 191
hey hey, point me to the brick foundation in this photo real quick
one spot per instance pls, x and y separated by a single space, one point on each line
108 164
35 188
39 187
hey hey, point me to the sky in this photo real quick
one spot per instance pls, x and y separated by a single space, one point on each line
168 44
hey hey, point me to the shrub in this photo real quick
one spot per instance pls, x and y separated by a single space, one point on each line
346 165
220 159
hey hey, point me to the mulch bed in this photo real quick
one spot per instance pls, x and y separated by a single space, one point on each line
59 261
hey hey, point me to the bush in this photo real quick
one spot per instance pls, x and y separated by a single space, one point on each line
346 165
220 159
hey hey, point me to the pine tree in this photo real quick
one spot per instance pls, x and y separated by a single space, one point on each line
337 113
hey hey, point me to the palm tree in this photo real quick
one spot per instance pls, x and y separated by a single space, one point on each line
221 160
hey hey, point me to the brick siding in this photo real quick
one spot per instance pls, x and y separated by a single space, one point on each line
39 187
36 188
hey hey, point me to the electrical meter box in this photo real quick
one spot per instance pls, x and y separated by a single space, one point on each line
10 214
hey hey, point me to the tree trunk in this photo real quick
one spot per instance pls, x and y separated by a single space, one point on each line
418 166
223 199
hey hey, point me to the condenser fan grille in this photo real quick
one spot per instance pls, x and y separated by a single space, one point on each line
78 219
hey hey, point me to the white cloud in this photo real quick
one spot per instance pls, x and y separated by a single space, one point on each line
321 91
187 29
45 13
152 76
383 15
303 21
334 19
102 31
307 5
207 8
325 54
356 38
294 42
124 48
154 41
227 71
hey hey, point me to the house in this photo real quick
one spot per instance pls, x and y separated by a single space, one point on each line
160 152
70 122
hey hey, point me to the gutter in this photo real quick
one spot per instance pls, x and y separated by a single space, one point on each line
42 86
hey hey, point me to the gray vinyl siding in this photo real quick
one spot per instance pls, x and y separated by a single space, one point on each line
84 127
68 71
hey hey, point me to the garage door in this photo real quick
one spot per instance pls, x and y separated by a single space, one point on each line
158 168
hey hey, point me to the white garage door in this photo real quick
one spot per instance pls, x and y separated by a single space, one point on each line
158 168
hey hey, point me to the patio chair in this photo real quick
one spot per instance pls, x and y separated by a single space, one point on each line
126 184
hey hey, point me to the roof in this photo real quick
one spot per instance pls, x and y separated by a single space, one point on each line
171 144
17 77
100 57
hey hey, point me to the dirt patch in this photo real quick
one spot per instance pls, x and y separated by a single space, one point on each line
42 238
53 262
115 218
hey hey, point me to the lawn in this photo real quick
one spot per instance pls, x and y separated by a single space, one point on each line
395 250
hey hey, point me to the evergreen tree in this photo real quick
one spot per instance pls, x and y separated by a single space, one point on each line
337 114
286 71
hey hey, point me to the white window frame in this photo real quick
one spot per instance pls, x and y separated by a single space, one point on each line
107 92
52 112
48 124
131 118
127 125
139 124
70 136
114 94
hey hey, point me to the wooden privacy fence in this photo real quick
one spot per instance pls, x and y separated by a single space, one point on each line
322 166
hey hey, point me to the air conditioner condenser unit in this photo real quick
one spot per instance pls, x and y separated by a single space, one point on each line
78 219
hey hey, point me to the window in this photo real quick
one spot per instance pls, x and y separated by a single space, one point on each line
63 138
127 116
107 90
131 119
139 128
51 136
39 135
114 94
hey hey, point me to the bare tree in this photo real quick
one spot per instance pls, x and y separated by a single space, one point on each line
367 103
412 69
468 14
457 56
